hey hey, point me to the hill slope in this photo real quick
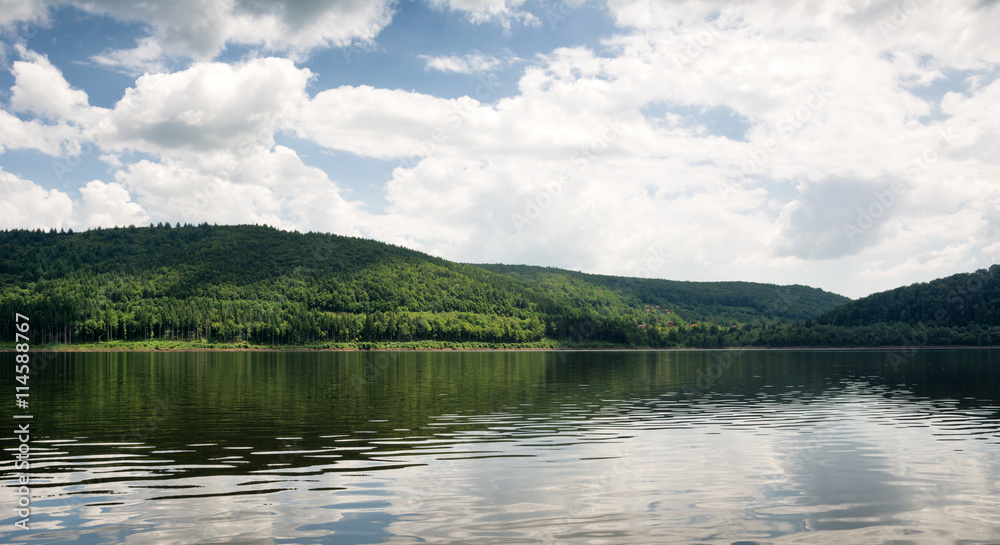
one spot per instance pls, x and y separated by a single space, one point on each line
262 285
958 300
962 309
714 302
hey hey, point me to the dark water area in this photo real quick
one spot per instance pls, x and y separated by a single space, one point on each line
510 447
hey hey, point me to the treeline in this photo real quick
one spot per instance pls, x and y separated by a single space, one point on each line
81 319
811 334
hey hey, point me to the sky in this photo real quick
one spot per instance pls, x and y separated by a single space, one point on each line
849 145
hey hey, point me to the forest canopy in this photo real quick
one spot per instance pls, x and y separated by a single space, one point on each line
261 285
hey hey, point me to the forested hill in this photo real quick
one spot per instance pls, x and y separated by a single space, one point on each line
715 302
261 285
962 309
958 300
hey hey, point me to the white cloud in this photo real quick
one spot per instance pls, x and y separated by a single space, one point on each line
481 11
466 64
54 140
41 89
382 123
209 106
106 205
61 113
200 30
834 217
23 11
26 205
210 130
272 187
146 57
548 121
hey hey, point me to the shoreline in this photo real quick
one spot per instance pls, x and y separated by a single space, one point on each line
85 348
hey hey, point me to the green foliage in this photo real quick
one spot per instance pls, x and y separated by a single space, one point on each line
712 302
958 300
261 286
960 310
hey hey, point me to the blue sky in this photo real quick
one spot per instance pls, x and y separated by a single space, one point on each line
848 145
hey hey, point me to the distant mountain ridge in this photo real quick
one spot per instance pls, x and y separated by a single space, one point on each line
261 285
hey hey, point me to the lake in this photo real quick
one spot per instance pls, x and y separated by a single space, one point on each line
727 447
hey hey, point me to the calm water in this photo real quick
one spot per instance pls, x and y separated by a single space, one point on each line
529 447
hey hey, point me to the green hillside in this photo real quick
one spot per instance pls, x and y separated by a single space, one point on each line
958 300
713 302
264 286
962 309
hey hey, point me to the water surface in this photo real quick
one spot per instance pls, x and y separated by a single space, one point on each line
512 447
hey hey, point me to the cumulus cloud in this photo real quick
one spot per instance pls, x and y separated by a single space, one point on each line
26 205
108 204
837 217
209 134
198 30
61 113
209 106
272 187
549 120
41 89
54 140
